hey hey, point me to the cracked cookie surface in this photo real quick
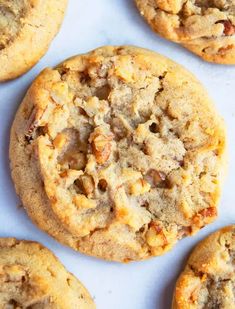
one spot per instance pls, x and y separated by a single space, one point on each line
32 277
26 30
208 280
207 28
118 153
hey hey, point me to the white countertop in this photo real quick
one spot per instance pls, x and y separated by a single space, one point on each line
89 24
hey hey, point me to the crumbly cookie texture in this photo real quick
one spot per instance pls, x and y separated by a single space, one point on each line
118 153
26 30
208 280
207 28
32 277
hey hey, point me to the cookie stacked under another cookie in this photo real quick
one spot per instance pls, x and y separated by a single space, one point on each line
208 280
207 28
26 30
118 153
32 277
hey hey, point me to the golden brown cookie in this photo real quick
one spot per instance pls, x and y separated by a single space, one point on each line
118 153
32 277
208 280
26 30
207 28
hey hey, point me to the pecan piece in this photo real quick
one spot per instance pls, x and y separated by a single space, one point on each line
229 28
204 216
208 212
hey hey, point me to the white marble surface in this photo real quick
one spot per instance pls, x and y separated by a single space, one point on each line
89 24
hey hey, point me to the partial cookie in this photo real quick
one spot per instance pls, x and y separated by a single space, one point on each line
32 277
26 30
208 280
118 153
207 28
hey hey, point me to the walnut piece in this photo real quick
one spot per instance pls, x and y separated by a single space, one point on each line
101 146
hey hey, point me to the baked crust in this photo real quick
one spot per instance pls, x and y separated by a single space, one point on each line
26 29
208 279
31 276
206 28
118 163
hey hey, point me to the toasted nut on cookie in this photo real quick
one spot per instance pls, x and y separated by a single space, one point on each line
128 174
60 93
60 140
101 146
204 216
155 239
87 183
81 201
124 70
229 28
139 187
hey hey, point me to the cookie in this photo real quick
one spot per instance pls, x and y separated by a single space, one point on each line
207 28
32 277
118 153
208 280
26 30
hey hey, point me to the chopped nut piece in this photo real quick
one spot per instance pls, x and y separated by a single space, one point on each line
204 216
87 184
101 149
125 70
208 212
129 174
60 140
155 236
229 28
101 146
81 201
60 93
139 187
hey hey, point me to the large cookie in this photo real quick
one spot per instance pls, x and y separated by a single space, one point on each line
208 280
207 28
32 277
118 153
26 30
